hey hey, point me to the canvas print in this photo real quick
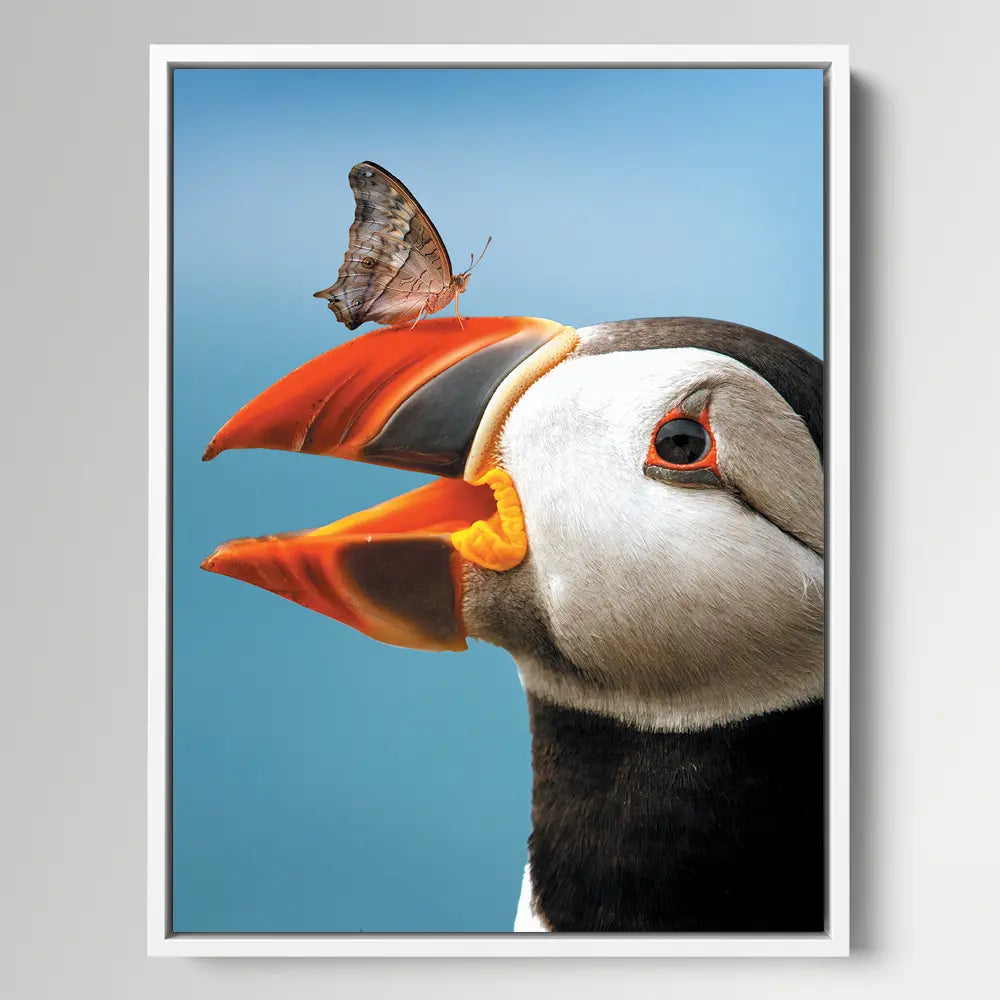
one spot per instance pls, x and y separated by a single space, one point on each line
532 512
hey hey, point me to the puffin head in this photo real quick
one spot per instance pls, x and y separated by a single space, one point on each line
633 510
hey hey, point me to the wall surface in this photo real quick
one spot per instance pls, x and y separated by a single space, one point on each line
925 263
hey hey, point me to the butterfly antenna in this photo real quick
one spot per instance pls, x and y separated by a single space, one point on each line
475 260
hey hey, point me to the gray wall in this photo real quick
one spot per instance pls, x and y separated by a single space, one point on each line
925 346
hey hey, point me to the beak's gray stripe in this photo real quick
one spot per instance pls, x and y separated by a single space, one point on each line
435 427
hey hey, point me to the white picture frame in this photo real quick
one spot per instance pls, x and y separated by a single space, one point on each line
833 59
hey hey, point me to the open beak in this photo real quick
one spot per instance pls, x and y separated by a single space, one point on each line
431 398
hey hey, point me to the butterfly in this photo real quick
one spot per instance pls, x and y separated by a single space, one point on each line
396 267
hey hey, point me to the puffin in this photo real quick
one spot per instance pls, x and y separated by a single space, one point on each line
635 511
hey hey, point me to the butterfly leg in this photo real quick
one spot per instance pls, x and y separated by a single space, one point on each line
420 316
458 314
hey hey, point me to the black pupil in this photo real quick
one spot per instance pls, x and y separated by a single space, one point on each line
682 442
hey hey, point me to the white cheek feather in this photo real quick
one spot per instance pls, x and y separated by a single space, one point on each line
689 606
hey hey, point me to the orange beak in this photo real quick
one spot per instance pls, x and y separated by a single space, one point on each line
430 399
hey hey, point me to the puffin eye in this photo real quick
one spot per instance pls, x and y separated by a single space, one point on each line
682 442
682 449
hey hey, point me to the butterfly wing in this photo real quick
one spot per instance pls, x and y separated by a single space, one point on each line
384 282
395 257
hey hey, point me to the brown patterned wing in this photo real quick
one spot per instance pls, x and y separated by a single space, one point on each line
395 258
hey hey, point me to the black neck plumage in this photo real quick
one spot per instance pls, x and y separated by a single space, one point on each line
720 830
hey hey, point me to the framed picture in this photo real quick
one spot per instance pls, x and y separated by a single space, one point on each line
541 486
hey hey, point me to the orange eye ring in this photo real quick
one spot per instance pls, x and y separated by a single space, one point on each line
708 461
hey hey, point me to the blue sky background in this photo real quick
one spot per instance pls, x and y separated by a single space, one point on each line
322 781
